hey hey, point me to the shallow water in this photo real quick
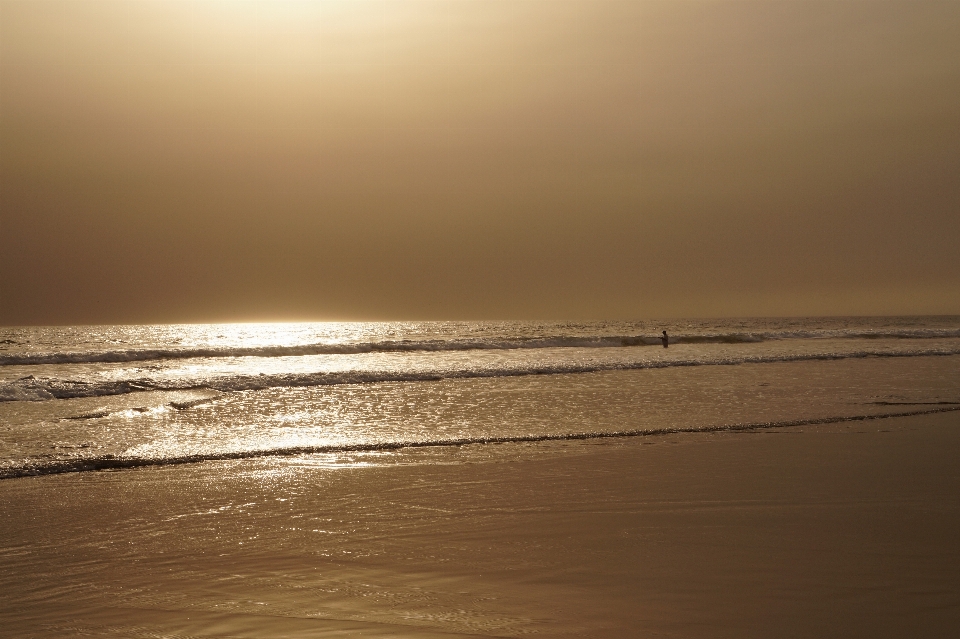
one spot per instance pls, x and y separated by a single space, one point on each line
83 398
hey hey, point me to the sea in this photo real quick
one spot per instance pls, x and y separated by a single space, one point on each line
92 398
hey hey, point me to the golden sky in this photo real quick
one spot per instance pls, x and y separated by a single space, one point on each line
446 159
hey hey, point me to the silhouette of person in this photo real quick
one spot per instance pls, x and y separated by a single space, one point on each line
665 340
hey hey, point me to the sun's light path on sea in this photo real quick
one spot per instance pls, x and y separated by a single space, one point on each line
266 334
262 420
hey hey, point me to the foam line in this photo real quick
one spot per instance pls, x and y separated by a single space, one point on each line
40 389
118 463
404 346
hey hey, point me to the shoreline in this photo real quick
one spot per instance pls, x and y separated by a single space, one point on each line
112 462
846 528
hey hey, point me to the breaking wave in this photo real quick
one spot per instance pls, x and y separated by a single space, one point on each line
33 388
459 344
113 462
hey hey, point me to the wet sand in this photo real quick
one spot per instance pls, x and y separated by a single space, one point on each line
840 530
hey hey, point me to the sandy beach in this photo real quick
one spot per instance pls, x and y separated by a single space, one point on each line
839 530
596 319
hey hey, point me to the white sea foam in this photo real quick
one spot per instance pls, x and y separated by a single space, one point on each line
33 388
389 346
460 344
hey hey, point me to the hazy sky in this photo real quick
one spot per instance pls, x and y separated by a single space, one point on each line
229 160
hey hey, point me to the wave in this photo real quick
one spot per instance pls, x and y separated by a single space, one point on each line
100 414
388 346
33 388
454 344
113 462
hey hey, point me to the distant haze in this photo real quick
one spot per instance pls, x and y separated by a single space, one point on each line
207 161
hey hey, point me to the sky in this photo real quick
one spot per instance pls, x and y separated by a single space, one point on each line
374 160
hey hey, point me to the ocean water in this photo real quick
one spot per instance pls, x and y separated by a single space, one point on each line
83 398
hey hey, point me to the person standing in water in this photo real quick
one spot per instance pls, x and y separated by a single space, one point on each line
665 340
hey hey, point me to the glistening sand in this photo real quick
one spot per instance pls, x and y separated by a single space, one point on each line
847 529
